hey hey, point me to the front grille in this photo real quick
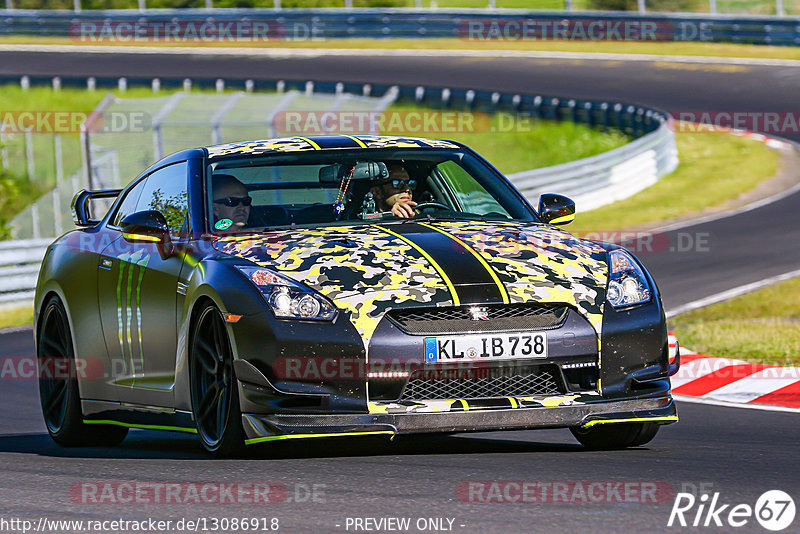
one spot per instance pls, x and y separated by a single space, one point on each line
461 320
482 383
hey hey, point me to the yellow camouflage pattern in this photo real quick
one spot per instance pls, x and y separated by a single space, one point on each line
295 144
464 405
366 272
540 263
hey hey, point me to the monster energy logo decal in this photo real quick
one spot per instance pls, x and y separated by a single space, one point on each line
129 264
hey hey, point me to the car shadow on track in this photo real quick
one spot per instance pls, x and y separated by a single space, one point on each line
160 445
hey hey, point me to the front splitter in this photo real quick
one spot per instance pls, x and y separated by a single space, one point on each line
261 427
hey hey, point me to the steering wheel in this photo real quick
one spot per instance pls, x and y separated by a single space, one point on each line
422 206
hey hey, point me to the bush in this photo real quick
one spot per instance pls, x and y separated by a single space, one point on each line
9 201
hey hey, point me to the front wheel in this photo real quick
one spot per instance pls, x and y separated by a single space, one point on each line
615 435
58 385
214 391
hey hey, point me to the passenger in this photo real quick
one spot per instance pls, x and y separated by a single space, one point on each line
231 203
394 194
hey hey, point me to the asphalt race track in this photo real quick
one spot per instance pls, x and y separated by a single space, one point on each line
737 452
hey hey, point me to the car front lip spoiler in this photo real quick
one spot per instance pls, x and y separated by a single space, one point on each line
262 427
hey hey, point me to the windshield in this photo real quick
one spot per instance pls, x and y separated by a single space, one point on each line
355 187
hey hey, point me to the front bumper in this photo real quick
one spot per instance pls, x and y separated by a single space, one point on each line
571 412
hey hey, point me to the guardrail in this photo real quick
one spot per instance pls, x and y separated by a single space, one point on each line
602 179
197 25
593 181
19 268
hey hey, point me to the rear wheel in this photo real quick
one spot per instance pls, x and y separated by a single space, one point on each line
58 385
616 435
214 391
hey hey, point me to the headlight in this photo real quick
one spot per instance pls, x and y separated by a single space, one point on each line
286 298
628 284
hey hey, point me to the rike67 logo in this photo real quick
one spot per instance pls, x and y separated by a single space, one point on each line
774 510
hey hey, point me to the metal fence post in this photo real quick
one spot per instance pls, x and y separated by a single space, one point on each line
9 4
37 233
59 179
142 5
779 8
209 4
642 7
29 154
712 6
59 158
76 6
277 4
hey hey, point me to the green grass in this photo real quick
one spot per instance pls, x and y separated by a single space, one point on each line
617 47
13 316
762 326
714 168
518 145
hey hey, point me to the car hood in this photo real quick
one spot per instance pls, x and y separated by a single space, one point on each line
367 270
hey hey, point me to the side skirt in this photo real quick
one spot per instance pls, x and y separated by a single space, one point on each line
137 416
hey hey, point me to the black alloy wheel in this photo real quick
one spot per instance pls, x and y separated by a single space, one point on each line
58 384
214 390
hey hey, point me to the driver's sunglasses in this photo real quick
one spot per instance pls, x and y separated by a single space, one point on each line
401 185
232 202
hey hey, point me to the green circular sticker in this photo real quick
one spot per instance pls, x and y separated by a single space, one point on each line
223 224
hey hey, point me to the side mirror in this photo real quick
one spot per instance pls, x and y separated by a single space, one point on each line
148 227
556 209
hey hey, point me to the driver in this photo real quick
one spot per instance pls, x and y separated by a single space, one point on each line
394 194
231 202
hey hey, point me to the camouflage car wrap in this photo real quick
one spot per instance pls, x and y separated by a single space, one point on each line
363 270
296 144
369 269
540 263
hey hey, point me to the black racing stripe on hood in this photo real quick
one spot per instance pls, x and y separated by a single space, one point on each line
473 282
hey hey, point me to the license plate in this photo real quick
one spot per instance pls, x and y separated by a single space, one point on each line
485 347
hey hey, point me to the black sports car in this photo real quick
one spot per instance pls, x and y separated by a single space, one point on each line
338 286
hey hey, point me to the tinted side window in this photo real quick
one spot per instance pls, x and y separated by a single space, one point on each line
128 204
166 191
471 195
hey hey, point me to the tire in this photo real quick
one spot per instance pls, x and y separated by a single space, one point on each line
213 387
615 436
58 390
646 434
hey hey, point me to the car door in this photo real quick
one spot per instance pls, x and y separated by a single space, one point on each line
138 294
